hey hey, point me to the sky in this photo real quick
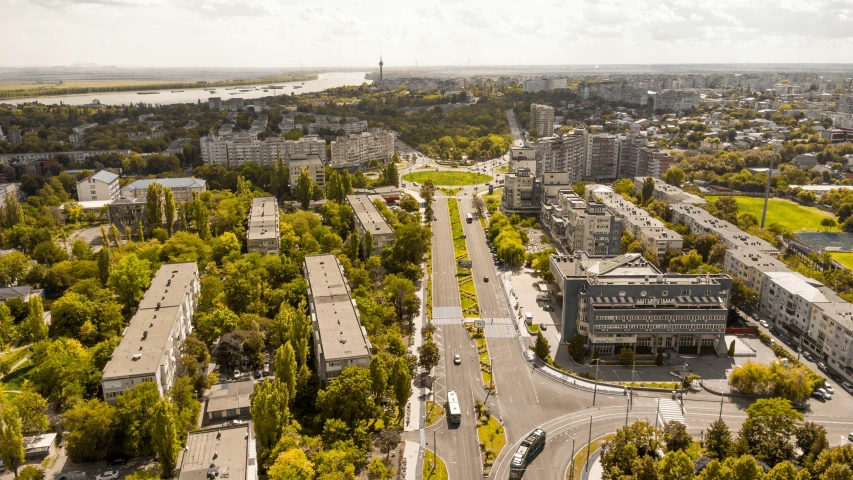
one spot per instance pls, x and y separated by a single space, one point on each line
354 33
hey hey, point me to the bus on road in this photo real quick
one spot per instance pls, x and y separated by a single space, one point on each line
470 218
527 451
454 413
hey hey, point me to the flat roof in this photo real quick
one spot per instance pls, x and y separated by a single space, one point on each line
149 332
40 441
758 260
341 334
368 215
224 396
225 448
184 182
263 219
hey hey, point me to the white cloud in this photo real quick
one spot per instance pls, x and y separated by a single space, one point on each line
283 33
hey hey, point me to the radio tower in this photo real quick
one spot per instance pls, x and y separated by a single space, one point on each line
380 67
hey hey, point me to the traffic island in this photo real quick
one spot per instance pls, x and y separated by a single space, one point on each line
580 460
434 413
434 468
467 289
492 438
483 354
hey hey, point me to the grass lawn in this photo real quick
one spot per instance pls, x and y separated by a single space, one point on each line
437 472
695 450
844 258
493 201
448 177
789 214
15 380
533 328
492 439
15 357
580 457
434 412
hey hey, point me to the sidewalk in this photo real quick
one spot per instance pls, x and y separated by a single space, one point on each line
410 461
579 383
414 408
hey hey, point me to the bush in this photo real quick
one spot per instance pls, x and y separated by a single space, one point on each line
659 357
627 356
577 349
732 349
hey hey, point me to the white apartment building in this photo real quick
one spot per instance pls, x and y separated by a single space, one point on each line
368 219
214 104
358 149
582 226
311 162
700 221
676 100
751 267
150 347
668 193
521 193
236 104
103 185
542 120
566 153
339 339
263 232
522 157
231 153
182 188
534 85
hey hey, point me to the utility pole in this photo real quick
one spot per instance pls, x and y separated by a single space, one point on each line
627 409
657 413
721 405
572 474
588 444
595 384
767 192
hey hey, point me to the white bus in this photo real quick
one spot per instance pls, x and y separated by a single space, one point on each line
470 218
454 413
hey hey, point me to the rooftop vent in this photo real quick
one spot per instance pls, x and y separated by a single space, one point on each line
145 334
136 357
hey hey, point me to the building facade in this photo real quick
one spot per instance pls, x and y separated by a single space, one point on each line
262 235
676 100
231 152
149 350
368 219
542 120
103 185
183 189
357 149
339 339
626 302
582 226
311 162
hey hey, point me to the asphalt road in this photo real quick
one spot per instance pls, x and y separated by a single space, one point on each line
489 294
445 289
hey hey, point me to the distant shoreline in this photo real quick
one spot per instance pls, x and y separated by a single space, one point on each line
57 91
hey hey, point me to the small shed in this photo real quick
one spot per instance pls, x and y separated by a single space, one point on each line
38 446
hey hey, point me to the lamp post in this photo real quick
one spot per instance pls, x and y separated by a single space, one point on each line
588 444
572 465
595 383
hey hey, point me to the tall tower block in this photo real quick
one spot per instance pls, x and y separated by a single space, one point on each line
380 67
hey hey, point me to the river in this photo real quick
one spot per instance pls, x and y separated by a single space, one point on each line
166 97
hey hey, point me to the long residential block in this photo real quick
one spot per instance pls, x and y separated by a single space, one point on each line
368 219
626 302
263 233
339 339
150 346
700 221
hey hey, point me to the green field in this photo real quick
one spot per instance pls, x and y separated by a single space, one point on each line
844 258
448 177
789 214
434 470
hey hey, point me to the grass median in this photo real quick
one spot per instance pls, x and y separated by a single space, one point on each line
483 355
434 412
467 289
434 468
492 438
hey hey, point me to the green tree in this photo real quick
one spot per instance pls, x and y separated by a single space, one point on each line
631 442
430 355
346 397
624 187
718 440
811 438
627 356
377 470
154 205
674 176
675 436
676 465
367 241
829 224
32 410
105 265
169 208
304 188
769 429
782 471
648 190
731 352
292 465
659 357
165 436
269 411
400 292
577 348
129 279
378 377
11 439
224 245
286 369
201 218
34 324
541 348
7 326
401 379
745 468
716 470
31 472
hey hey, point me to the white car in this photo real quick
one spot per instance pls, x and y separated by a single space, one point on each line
825 394
108 475
828 388
847 386
850 437
457 359
764 323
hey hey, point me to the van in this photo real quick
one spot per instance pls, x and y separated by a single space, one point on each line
543 297
528 318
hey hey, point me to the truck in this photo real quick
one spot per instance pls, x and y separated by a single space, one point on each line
530 447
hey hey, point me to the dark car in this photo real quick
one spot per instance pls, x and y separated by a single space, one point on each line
486 279
117 462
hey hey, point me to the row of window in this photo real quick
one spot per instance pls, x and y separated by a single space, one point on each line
692 318
662 327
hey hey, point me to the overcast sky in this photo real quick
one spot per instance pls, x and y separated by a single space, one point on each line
328 33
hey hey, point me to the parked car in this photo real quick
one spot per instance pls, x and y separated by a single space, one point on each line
808 356
543 326
457 359
847 386
117 462
850 437
548 308
826 394
108 475
819 395
821 366
764 323
829 388
234 422
486 279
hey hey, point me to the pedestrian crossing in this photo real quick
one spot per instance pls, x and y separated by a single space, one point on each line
446 312
499 331
448 321
671 411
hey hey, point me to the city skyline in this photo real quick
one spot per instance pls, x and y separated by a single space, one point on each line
260 33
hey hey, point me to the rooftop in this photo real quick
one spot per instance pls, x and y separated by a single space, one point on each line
263 219
233 395
368 215
185 182
226 449
759 261
341 334
312 159
102 176
147 338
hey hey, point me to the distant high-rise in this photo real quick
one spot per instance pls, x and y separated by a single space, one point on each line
380 67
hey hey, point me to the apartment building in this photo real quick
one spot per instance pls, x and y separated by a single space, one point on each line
751 267
649 231
82 128
368 219
127 214
565 153
236 104
233 152
582 226
262 235
103 185
533 85
183 189
357 149
7 189
668 193
332 123
313 163
542 120
626 302
149 350
223 452
676 100
602 157
214 104
700 221
339 339
521 193
523 157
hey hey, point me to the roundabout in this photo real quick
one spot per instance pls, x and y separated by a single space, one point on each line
448 178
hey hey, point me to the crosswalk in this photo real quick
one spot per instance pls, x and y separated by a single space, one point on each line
671 411
499 331
446 312
448 321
